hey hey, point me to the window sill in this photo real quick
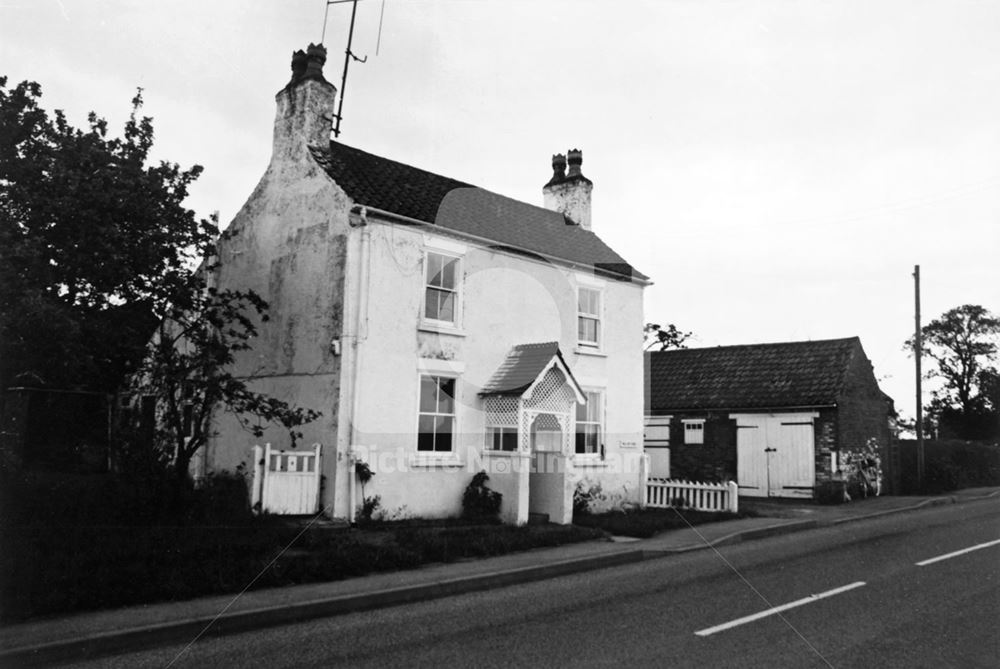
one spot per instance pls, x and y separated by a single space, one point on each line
429 326
587 350
431 460
587 460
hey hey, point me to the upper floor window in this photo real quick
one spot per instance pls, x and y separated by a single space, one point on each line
694 431
436 421
588 320
588 423
441 291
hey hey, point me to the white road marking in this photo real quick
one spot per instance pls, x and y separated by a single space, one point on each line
778 609
957 553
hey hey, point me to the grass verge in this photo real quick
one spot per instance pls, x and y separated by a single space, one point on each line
644 523
73 546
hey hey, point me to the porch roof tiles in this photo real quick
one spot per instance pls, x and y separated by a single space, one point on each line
522 366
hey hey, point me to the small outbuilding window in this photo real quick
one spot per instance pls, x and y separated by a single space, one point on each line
694 431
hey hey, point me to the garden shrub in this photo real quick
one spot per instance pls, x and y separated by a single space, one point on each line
480 502
585 495
949 464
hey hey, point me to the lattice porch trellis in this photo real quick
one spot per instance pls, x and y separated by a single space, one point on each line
551 401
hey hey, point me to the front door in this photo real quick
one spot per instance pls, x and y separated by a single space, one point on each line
548 480
775 454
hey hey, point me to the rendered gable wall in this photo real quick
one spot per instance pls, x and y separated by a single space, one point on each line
289 244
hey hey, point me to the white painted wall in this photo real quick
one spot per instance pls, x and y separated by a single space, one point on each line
505 300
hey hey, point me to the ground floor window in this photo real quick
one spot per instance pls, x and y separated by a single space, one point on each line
436 422
501 438
588 423
501 422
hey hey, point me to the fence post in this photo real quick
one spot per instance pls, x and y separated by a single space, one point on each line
257 484
316 478
266 485
643 479
734 496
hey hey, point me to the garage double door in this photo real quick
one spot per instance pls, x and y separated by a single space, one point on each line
775 454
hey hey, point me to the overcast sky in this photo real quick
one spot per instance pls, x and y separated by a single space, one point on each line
776 167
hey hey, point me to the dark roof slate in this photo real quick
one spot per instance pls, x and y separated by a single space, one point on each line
521 368
414 193
755 376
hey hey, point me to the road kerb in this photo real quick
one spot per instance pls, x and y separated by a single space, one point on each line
181 631
242 621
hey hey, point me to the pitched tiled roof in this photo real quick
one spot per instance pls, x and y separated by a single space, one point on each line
523 365
408 191
805 373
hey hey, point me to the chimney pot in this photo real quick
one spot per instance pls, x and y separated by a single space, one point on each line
299 60
569 193
316 55
558 169
575 160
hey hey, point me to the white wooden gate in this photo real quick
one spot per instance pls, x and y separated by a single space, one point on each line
287 481
775 454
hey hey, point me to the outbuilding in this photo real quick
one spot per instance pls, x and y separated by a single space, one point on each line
779 419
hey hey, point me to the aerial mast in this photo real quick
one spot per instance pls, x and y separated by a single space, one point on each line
348 54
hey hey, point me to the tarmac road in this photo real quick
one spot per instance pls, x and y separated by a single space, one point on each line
851 595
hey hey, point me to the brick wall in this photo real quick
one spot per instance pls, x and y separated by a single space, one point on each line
864 415
713 461
863 410
825 433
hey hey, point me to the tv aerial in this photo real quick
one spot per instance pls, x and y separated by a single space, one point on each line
349 55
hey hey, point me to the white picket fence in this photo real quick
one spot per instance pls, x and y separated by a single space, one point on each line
668 493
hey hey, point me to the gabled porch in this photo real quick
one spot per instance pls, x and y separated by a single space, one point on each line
529 407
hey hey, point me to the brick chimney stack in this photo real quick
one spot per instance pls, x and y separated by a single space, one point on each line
568 192
305 106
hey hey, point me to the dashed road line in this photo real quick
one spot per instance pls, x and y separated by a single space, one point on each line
778 609
947 556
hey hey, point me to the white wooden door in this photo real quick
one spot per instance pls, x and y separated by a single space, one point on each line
291 481
751 455
775 454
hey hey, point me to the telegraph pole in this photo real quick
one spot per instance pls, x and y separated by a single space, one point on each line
918 348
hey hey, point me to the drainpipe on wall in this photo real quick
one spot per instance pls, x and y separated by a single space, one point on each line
360 334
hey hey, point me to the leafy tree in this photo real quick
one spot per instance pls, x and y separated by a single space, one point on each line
188 364
962 342
105 277
664 338
89 233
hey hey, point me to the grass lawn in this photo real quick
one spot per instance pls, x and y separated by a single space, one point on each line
47 570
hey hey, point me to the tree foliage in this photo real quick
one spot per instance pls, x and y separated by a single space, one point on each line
188 368
105 277
89 233
662 338
962 343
